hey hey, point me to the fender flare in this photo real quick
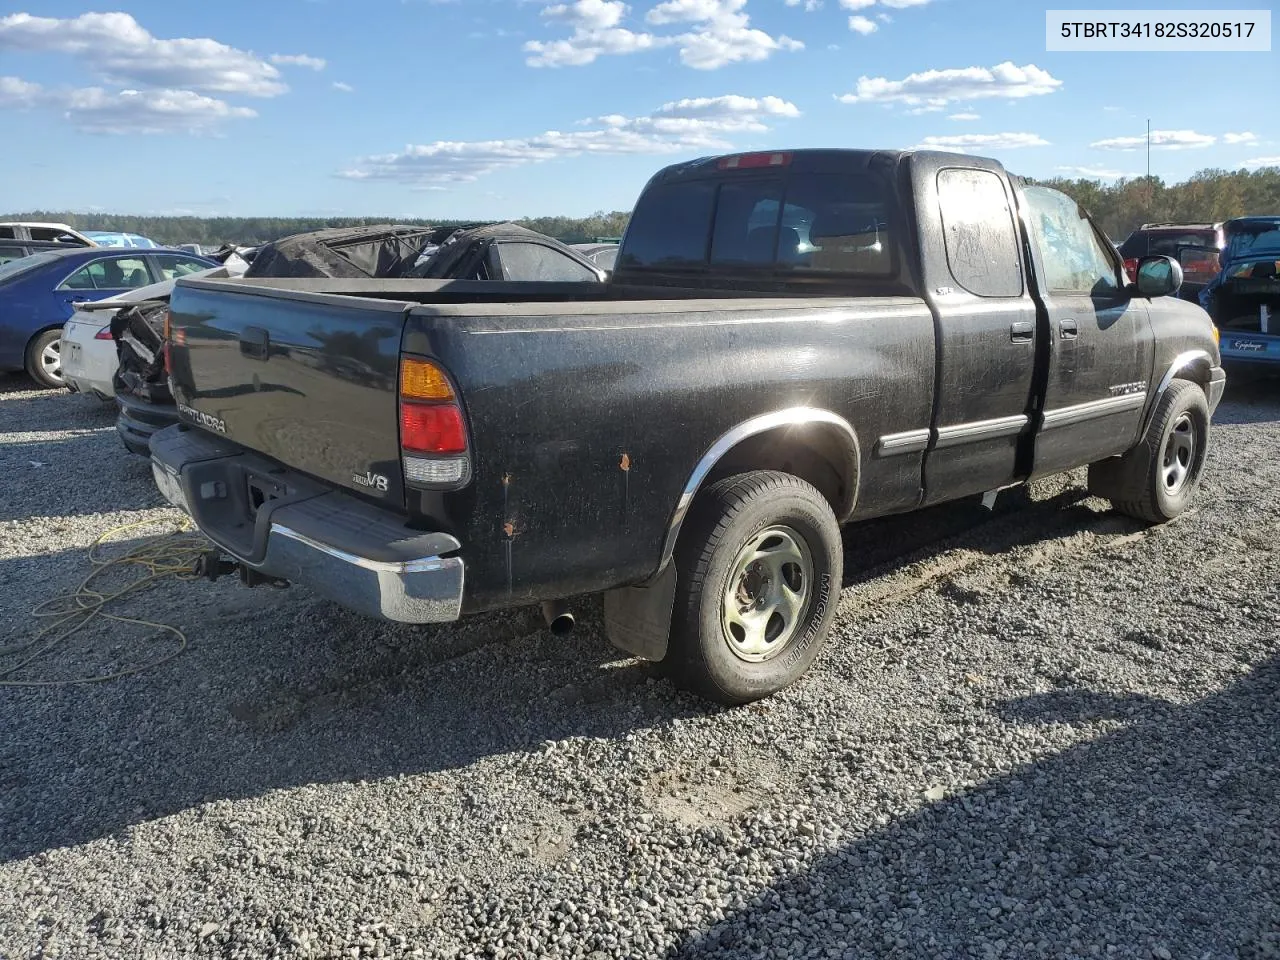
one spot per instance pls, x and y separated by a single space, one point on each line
1183 362
790 417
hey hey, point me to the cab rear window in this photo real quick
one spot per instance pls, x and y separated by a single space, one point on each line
828 223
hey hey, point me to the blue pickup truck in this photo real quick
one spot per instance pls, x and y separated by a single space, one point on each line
1244 298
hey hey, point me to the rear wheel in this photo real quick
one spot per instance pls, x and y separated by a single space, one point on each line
44 359
1157 480
758 573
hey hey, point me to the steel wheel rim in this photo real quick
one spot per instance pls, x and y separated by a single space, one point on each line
51 360
1179 454
767 593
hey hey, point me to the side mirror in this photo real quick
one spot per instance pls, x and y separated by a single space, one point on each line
1158 277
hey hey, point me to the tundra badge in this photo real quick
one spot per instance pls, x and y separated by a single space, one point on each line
204 419
375 481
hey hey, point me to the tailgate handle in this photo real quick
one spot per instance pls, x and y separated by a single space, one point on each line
1021 331
255 342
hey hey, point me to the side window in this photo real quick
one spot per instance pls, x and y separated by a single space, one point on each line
11 252
82 279
118 273
670 226
533 261
52 234
1072 258
977 223
173 267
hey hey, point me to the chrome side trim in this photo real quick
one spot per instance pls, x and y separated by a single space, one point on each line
908 441
1180 363
978 430
1092 410
791 417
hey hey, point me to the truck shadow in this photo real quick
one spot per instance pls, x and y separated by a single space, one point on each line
1160 836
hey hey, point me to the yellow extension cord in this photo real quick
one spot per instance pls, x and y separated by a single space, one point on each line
165 555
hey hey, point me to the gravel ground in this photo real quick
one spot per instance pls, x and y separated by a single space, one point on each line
1041 732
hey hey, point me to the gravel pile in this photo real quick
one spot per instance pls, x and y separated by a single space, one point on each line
1044 731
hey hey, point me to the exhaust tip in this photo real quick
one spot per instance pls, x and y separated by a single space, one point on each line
559 619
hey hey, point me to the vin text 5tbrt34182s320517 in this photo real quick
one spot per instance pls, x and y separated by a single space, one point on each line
790 342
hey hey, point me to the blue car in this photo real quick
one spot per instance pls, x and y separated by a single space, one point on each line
38 294
1244 298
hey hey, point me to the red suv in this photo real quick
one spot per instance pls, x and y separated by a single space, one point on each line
1169 240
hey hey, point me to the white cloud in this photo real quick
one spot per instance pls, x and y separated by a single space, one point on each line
937 88
595 33
1096 173
969 142
117 48
299 60
862 25
720 34
588 14
1262 162
342 87
704 123
903 4
1160 140
857 4
964 116
131 112
729 106
95 110
18 93
1245 137
809 5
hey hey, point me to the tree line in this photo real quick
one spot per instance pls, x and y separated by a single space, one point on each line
1209 196
1119 207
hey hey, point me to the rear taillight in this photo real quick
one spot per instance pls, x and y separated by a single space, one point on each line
1131 268
104 333
433 433
164 347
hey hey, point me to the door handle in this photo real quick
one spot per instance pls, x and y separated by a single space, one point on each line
1068 330
1021 331
254 342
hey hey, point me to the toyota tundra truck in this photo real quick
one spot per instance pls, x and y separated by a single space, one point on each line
791 342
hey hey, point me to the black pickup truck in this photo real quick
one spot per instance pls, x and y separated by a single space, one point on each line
790 342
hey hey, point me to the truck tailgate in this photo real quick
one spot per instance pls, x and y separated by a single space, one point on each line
306 379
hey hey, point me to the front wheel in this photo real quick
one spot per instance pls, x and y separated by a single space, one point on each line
758 570
44 359
1158 479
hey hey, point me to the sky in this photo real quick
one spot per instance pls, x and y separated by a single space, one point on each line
513 108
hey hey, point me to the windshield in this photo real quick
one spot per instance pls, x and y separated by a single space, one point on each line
16 268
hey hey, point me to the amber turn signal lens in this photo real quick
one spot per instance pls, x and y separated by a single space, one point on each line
168 324
423 380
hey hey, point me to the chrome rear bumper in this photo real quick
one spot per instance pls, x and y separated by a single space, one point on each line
341 547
